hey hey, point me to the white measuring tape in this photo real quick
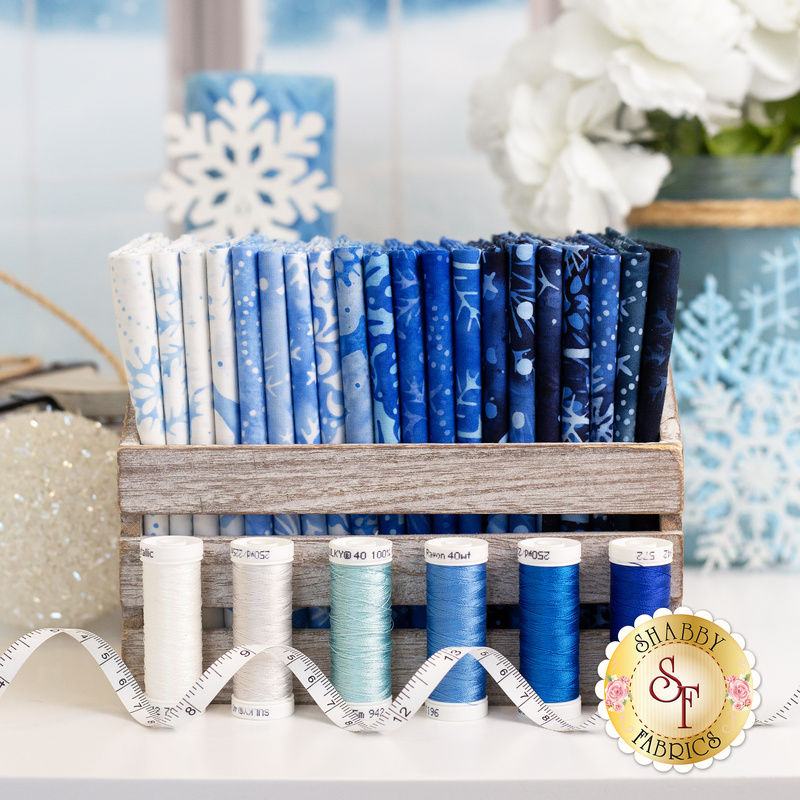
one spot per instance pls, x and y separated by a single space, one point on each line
199 697
403 707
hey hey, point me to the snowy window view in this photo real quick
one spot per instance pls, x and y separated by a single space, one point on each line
403 70
82 97
85 90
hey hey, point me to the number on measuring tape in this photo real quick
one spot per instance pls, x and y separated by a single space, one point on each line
405 705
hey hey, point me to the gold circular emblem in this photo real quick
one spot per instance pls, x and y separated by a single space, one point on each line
678 689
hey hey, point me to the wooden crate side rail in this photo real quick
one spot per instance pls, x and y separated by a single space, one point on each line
642 478
311 584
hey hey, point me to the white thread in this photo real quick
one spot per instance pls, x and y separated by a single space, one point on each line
173 635
262 603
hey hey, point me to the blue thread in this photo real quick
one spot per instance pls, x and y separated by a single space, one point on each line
637 590
549 605
456 617
361 626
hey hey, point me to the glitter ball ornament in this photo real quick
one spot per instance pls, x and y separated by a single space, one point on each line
58 519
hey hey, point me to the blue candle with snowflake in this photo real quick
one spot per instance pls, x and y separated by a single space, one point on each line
494 345
137 330
197 340
277 367
349 272
303 366
522 365
224 370
662 301
406 272
255 153
169 318
437 281
383 362
635 271
250 364
329 362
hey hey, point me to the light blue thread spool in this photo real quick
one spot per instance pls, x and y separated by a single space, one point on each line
641 577
456 601
549 604
361 622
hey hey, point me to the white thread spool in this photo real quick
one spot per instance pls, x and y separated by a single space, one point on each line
173 634
262 615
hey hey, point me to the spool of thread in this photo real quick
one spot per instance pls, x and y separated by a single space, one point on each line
262 602
549 605
361 622
456 600
173 634
641 576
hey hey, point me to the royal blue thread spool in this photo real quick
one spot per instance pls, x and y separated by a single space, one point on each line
361 622
456 610
641 576
549 605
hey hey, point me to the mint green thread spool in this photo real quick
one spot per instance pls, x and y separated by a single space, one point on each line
361 622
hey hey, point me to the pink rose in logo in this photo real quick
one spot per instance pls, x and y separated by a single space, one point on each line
617 692
738 692
618 706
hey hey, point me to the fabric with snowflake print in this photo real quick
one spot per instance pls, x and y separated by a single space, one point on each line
277 368
466 293
254 154
349 271
382 362
303 362
330 392
137 330
165 263
437 279
406 273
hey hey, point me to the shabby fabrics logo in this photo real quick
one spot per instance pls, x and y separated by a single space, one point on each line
678 690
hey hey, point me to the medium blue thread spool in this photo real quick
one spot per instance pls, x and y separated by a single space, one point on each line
361 622
549 605
641 575
456 603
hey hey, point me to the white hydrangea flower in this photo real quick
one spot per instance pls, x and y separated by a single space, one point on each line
773 46
559 146
681 56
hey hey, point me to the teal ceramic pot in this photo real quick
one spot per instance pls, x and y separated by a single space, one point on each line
736 364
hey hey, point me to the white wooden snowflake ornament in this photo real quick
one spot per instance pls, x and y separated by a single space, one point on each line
243 172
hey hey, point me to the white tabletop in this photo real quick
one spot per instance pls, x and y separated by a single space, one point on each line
64 734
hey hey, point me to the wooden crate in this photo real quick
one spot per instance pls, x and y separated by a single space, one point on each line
640 479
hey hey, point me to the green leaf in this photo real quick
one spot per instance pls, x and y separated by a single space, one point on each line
787 111
745 139
676 136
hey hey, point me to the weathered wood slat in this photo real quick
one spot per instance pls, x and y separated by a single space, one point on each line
403 479
643 478
408 653
312 574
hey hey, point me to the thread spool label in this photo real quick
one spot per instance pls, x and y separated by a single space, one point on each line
360 550
643 551
549 552
456 551
263 551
